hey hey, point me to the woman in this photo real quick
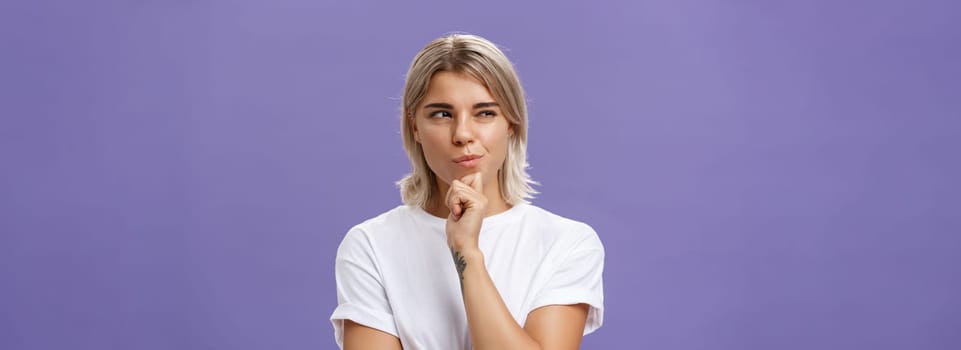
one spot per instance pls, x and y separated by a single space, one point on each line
467 262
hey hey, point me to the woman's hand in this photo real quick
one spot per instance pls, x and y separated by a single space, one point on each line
467 205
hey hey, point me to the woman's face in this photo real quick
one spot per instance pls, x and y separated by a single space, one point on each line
457 120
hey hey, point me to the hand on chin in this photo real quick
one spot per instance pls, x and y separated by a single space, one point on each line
467 204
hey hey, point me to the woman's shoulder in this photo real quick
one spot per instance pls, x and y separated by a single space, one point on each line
395 235
552 223
544 216
396 217
398 225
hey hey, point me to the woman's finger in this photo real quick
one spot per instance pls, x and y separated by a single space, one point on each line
473 181
456 211
450 192
476 184
455 200
463 194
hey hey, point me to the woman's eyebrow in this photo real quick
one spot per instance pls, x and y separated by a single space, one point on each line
439 105
449 106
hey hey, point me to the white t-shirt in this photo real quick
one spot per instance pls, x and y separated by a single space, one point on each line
395 273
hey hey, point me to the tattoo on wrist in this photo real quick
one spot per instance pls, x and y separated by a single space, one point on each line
460 264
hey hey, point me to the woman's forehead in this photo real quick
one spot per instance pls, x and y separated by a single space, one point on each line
456 88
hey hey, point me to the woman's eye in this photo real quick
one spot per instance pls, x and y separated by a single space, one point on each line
487 114
440 114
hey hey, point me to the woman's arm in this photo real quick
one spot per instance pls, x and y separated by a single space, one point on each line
490 322
363 318
360 337
493 327
557 326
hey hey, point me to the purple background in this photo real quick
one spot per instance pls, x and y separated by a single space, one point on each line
764 174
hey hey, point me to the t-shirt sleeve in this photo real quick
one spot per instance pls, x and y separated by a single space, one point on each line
578 280
360 292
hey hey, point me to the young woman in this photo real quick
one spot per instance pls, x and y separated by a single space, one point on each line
467 262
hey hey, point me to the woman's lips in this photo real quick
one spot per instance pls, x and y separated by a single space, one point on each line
469 161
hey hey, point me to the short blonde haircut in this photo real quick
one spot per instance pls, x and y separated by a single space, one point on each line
482 60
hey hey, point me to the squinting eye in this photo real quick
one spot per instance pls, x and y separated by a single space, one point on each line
488 114
439 114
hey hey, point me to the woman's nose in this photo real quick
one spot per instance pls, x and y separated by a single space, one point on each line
463 131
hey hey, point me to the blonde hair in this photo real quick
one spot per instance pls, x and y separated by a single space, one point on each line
482 60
